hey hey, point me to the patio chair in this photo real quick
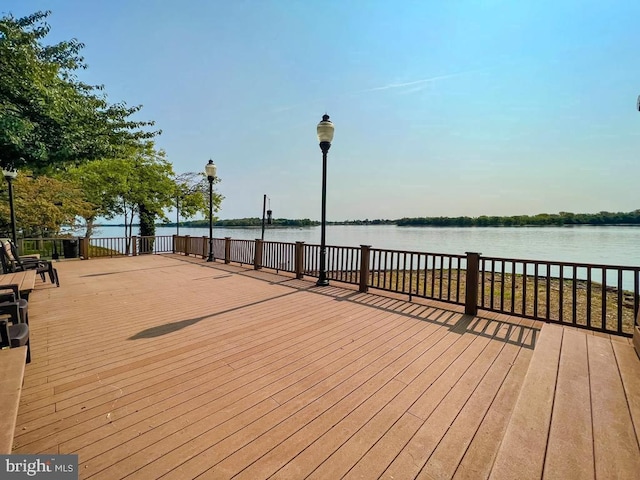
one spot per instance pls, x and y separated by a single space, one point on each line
11 304
14 263
14 336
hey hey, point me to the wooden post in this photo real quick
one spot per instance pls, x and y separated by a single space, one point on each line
227 249
365 252
187 244
205 246
299 260
257 260
134 245
471 282
84 248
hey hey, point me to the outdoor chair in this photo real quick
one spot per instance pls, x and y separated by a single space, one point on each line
11 304
14 263
14 336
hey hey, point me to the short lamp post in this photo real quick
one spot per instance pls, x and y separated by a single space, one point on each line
325 135
10 176
210 171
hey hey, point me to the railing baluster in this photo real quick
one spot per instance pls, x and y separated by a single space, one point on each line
535 290
575 295
589 297
620 300
524 289
561 294
603 300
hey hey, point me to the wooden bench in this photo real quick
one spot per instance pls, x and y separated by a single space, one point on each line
25 280
12 364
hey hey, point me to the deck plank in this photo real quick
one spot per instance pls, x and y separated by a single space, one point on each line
252 374
570 444
616 450
529 423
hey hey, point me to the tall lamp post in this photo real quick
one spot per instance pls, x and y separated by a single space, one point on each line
325 135
210 170
10 175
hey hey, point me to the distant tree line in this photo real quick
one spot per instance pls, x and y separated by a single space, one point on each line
248 222
551 219
559 219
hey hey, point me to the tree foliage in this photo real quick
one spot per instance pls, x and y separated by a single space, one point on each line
48 118
43 205
541 219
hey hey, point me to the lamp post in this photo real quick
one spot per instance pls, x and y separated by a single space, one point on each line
210 170
325 135
10 175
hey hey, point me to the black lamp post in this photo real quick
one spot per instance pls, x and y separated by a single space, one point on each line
210 170
325 135
10 175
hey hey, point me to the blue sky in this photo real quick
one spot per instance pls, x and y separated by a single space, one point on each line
440 108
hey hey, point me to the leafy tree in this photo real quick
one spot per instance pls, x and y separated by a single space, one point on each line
102 182
43 205
192 196
48 118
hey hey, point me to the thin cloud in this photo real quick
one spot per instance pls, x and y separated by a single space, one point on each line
417 85
417 82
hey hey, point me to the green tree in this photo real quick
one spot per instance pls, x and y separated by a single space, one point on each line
43 206
192 196
102 182
48 118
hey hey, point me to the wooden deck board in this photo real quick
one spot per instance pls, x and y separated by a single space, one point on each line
529 424
570 443
615 446
252 374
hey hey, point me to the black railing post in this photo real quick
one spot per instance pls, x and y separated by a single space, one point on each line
299 260
227 249
257 260
471 282
365 251
173 243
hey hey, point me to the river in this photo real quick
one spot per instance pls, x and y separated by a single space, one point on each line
612 245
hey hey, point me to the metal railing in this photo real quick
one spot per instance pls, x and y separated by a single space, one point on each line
279 256
342 263
437 276
597 297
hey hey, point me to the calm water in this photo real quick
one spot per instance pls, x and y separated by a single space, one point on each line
585 244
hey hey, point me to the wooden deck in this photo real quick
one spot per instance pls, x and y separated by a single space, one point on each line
169 367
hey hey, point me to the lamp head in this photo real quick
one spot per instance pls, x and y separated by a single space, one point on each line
9 173
210 170
325 130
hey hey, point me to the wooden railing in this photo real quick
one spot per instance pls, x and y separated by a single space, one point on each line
605 298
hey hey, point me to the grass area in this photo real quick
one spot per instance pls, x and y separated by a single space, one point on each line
573 302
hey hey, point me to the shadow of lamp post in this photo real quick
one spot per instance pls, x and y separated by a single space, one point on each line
10 175
325 135
210 170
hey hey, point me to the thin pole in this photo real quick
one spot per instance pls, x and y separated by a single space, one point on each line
264 209
210 258
322 279
13 212
178 215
